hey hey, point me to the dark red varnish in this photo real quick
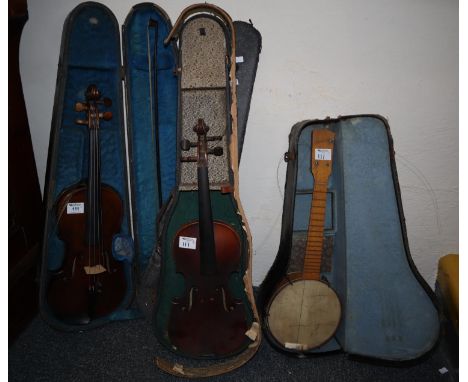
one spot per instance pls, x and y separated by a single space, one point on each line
206 320
73 295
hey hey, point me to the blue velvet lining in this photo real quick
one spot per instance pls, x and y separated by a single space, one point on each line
90 55
139 46
386 312
395 314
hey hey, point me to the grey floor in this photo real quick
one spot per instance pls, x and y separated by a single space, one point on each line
125 351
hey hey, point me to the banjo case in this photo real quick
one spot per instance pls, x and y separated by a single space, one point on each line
138 148
388 310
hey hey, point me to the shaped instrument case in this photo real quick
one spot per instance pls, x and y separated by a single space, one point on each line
248 48
388 310
90 54
139 161
207 92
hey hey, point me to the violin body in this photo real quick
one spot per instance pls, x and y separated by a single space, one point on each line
206 318
75 294
209 316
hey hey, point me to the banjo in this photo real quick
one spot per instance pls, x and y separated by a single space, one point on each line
304 312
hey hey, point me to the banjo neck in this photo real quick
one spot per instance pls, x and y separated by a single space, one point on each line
321 158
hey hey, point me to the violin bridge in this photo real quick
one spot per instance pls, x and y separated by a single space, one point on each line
95 269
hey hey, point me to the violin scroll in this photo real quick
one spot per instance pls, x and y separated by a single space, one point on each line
93 98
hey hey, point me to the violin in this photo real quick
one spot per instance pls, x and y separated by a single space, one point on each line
91 283
206 320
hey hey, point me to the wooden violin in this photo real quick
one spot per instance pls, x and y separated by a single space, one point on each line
91 283
206 320
304 311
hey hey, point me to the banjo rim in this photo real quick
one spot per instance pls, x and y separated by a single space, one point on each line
288 281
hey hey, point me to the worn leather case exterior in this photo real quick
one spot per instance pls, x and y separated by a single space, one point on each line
388 309
91 53
248 48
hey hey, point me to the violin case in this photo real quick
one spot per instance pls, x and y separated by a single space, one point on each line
388 310
215 57
139 157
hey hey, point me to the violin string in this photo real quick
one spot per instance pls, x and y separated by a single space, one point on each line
99 194
94 192
95 181
89 192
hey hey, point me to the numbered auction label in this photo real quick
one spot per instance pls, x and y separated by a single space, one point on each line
187 242
75 208
323 154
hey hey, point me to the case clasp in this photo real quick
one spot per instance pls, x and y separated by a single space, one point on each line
289 155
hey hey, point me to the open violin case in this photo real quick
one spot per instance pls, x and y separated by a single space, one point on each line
137 159
205 313
388 311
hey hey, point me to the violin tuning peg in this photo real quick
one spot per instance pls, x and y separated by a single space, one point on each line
214 138
106 116
185 144
188 159
80 106
81 122
216 151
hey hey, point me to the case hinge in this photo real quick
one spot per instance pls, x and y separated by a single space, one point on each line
289 155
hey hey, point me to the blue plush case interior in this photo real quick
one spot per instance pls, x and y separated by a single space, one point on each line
90 54
387 309
151 87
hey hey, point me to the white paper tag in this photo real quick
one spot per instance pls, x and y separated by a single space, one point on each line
187 242
239 59
75 208
443 370
323 154
291 345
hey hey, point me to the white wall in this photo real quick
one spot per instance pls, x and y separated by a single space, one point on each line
397 58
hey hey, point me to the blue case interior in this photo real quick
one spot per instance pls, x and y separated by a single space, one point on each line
142 46
387 309
90 54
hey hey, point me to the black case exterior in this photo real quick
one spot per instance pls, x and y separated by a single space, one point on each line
248 48
389 311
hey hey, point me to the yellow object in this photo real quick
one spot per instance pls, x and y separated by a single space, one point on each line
447 279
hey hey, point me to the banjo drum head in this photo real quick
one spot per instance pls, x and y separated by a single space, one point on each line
304 315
